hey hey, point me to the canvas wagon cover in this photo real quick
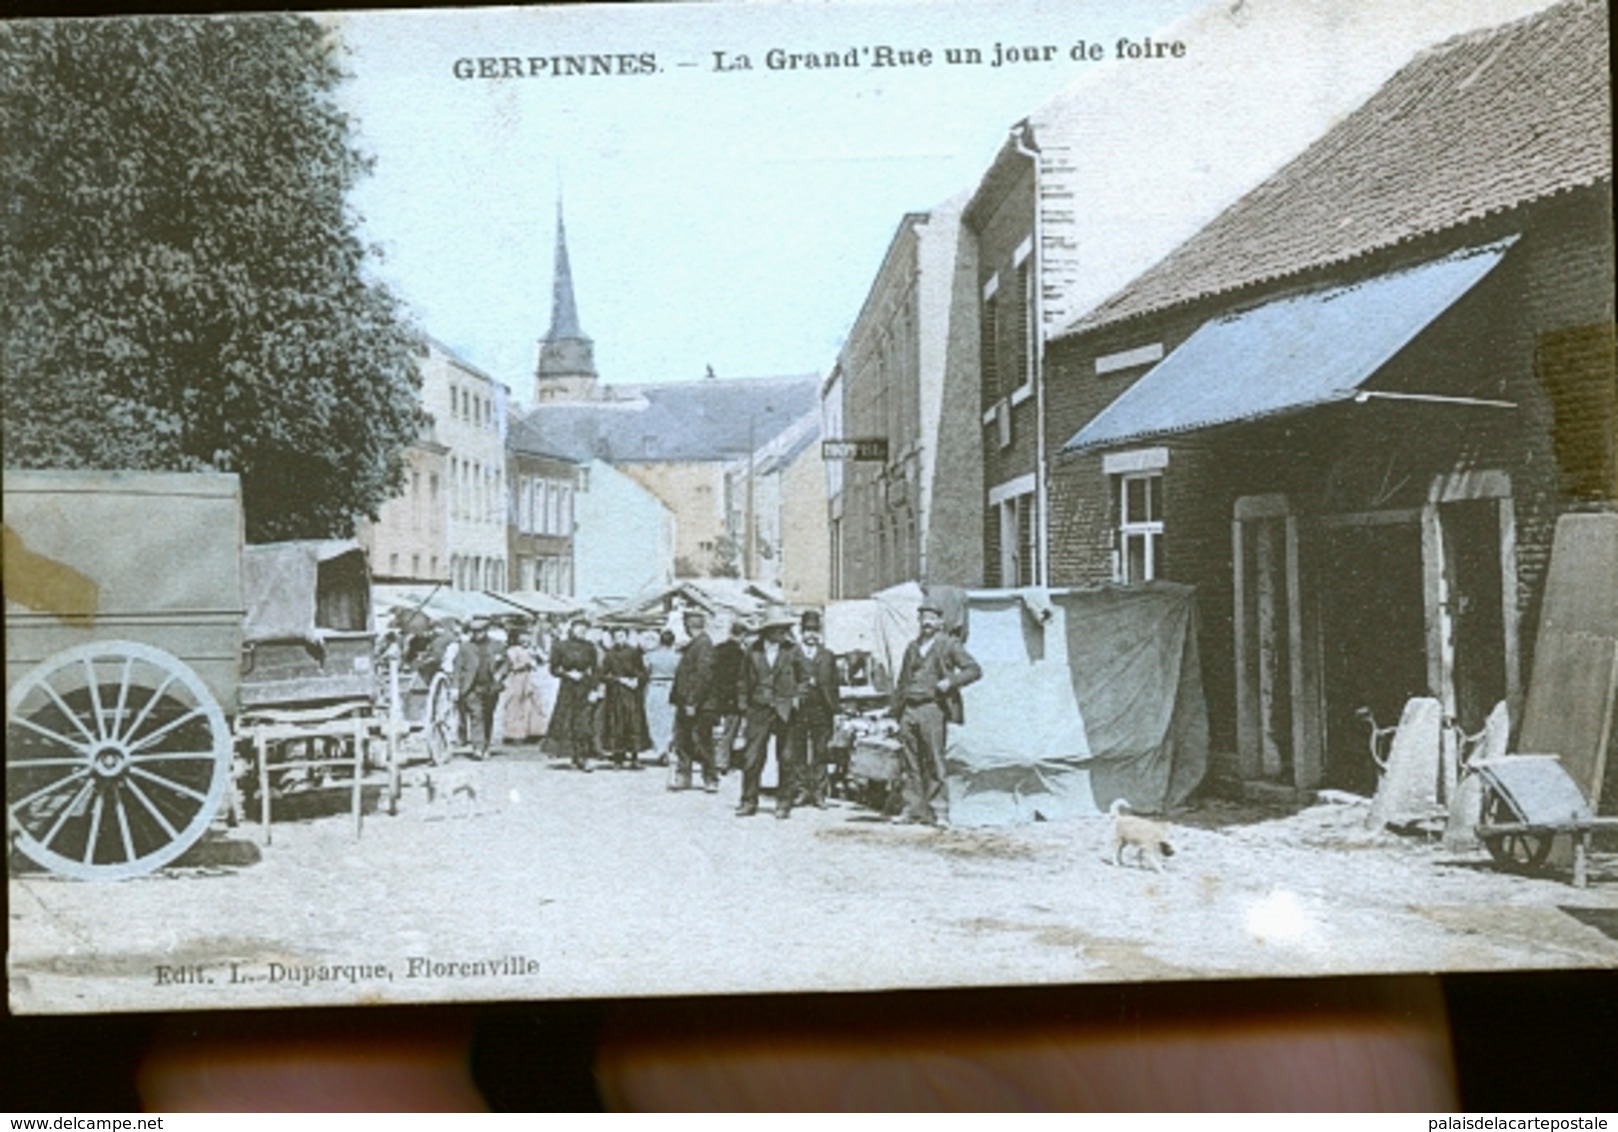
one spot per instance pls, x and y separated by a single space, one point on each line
282 584
152 557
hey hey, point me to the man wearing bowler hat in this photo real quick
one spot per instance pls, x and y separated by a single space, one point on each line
817 713
926 699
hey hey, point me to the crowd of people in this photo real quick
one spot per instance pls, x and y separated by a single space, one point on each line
613 695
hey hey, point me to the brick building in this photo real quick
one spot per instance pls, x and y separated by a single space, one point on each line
1351 408
1105 179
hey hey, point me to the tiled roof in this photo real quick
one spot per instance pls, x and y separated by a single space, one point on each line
690 421
1488 121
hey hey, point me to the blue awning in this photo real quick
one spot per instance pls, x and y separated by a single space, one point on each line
1290 354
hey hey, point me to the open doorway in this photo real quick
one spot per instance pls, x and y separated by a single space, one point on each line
1373 636
1473 586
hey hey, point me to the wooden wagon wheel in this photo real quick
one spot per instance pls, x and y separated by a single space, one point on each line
117 757
1521 851
443 721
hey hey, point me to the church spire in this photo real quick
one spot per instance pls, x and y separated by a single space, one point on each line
566 370
564 309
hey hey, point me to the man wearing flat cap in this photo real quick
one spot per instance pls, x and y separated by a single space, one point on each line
926 699
817 713
774 677
477 670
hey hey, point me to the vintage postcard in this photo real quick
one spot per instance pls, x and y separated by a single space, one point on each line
589 501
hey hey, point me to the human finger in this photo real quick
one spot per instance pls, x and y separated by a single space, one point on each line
1342 1044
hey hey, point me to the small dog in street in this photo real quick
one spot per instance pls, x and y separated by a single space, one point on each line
1149 839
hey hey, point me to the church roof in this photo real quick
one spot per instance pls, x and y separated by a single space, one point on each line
673 422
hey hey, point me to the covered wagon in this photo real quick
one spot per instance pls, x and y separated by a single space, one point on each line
123 649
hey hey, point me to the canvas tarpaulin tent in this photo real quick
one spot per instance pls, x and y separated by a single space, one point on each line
440 603
1087 695
880 625
725 599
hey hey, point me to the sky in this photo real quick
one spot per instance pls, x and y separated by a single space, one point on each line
732 219
735 216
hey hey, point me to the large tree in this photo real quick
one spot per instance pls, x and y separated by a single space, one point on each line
183 286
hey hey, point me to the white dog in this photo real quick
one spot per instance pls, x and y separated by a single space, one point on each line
1149 839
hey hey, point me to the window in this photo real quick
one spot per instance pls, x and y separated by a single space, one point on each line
415 565
1018 552
1027 342
1013 512
989 344
1139 502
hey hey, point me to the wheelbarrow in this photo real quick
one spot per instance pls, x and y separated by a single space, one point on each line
1529 800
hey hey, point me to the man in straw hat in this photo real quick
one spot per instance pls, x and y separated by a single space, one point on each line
774 677
926 699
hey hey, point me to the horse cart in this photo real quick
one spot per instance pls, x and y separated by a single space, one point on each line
126 700
423 634
309 683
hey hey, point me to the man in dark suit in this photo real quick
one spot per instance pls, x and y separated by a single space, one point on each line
926 699
817 714
728 657
694 697
773 681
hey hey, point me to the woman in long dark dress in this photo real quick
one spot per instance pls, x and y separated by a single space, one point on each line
573 662
623 725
